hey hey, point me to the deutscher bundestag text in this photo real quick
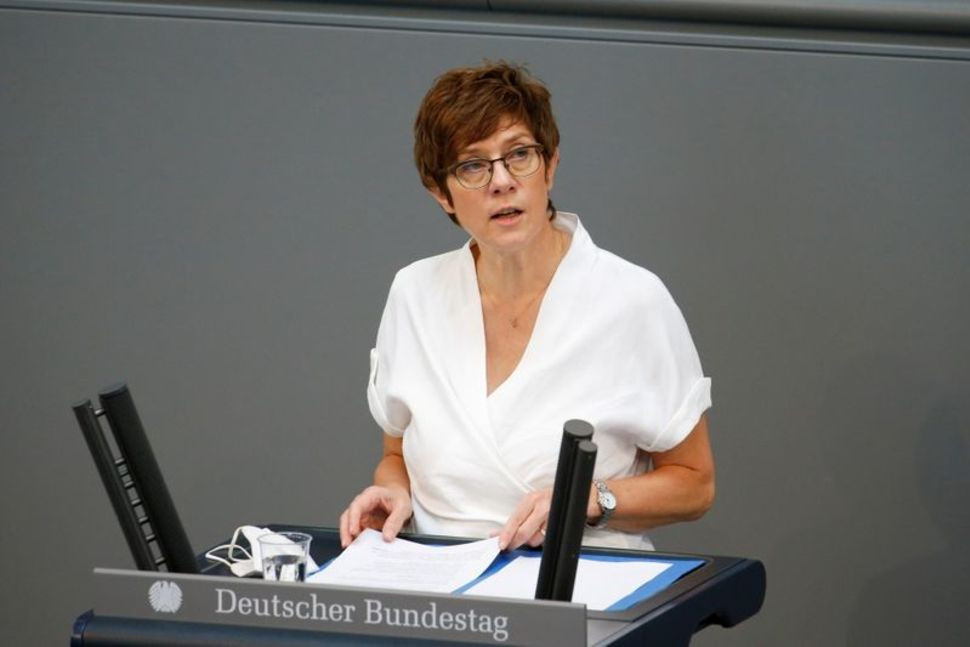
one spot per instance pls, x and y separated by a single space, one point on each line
375 612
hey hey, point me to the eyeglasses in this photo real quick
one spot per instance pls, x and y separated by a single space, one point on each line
477 172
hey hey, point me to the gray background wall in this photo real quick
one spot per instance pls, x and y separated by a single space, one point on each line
210 206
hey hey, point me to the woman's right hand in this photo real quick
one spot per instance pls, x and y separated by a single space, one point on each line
384 508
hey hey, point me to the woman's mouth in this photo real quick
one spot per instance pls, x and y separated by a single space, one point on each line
506 215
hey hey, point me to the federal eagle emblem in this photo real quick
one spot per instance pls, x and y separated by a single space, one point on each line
165 597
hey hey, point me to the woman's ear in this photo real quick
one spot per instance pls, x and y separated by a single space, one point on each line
442 200
551 167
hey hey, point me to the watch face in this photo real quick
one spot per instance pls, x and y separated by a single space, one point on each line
607 501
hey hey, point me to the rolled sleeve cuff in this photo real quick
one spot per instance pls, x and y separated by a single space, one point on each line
684 420
375 400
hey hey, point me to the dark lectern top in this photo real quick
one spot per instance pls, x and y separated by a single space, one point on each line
722 591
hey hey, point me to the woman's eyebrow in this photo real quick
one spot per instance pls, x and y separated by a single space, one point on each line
475 152
514 138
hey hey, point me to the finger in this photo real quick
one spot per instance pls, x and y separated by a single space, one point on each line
353 520
344 530
531 527
361 506
357 513
507 534
538 538
395 521
527 531
509 537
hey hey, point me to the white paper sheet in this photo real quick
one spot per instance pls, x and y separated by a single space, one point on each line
599 584
400 564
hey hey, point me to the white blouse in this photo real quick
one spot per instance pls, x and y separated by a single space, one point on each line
609 346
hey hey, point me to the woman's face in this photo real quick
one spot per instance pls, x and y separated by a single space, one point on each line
509 212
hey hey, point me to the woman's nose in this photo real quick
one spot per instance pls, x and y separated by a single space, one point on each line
501 178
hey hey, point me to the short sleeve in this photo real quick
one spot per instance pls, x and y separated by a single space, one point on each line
387 408
679 393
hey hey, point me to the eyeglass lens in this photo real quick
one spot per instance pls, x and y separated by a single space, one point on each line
520 162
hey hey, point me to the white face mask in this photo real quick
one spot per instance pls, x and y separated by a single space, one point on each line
243 561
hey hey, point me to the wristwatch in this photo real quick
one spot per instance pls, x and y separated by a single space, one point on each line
607 503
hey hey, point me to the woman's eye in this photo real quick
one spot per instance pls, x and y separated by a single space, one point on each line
519 154
472 166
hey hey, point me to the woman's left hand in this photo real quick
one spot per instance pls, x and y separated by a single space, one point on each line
527 525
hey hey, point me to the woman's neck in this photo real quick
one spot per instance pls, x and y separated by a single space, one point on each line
507 276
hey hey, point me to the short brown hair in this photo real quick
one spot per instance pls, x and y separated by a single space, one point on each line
466 105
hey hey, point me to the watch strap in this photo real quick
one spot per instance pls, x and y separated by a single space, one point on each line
606 501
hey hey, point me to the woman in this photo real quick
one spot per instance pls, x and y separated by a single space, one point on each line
484 352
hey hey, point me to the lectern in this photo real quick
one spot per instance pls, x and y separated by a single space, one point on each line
208 607
722 591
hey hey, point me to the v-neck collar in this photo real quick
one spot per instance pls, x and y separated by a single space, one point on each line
552 303
467 362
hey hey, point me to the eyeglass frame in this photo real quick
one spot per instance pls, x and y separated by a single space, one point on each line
451 170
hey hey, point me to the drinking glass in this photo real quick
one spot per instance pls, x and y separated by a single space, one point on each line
284 555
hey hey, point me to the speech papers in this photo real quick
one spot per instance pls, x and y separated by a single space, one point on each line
371 562
599 583
401 564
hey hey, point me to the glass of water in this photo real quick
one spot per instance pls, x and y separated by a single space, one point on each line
284 555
